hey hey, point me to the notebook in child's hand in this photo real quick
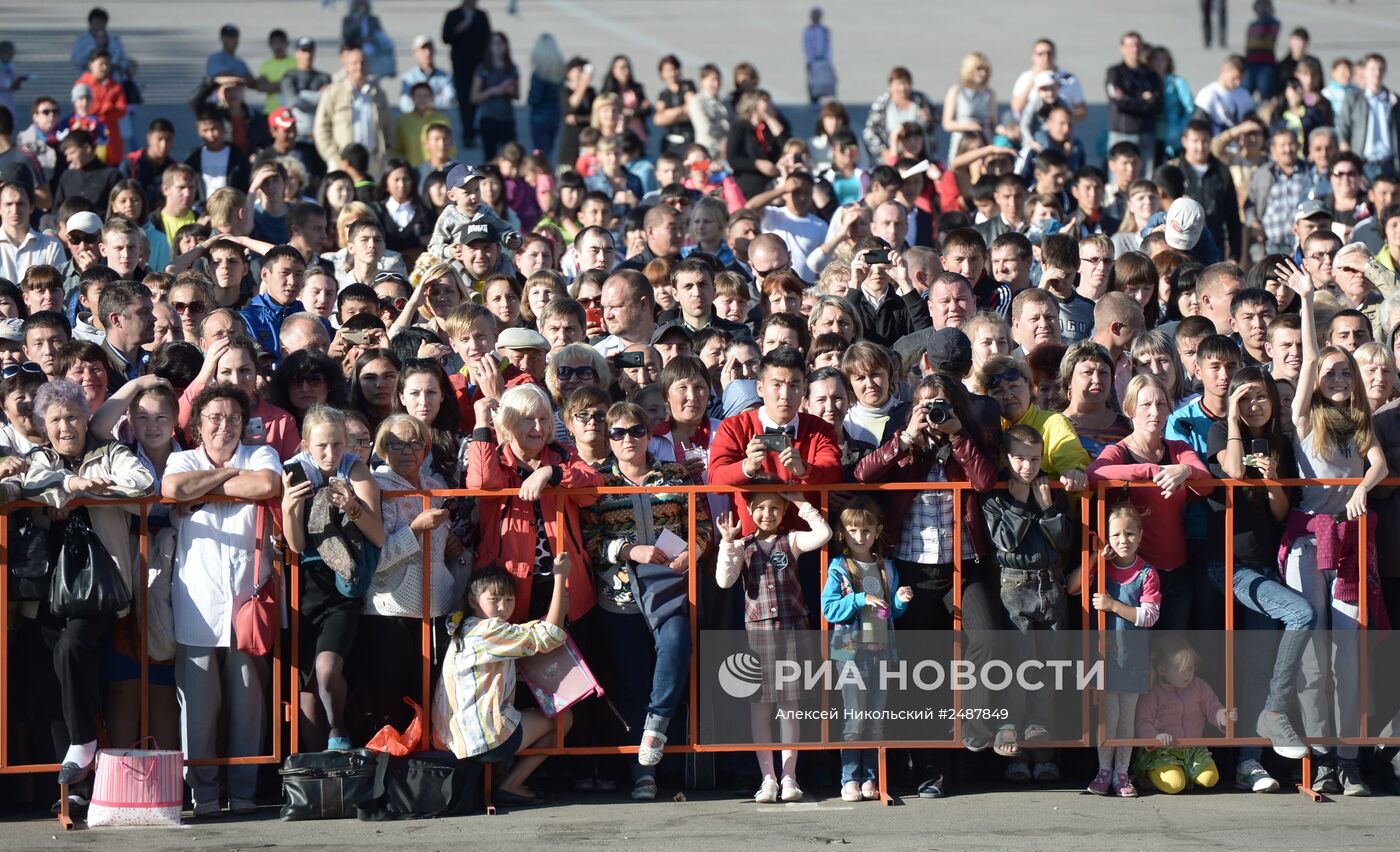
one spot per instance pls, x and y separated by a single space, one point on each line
559 679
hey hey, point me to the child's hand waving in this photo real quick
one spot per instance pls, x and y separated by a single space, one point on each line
728 524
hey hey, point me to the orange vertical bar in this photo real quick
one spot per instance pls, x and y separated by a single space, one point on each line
824 501
426 640
694 582
1363 586
1101 586
294 717
1086 547
563 547
957 604
142 620
278 708
1229 607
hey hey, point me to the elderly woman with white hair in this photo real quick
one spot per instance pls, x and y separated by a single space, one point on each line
79 465
1364 284
519 454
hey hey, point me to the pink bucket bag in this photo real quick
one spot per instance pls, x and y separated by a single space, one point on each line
137 787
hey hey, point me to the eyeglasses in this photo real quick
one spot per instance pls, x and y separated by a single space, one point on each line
217 420
760 273
1319 257
46 112
397 446
361 443
583 374
28 367
1007 376
636 431
1096 261
592 302
311 381
195 307
590 416
83 238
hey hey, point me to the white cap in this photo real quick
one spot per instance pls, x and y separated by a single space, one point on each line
1185 221
86 222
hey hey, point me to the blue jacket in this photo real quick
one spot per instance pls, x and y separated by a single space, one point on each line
841 604
264 318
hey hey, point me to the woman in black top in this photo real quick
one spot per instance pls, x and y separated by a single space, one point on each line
1252 443
578 94
755 143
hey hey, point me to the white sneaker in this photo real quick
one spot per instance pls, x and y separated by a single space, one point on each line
791 792
1279 731
868 791
850 792
767 791
1250 775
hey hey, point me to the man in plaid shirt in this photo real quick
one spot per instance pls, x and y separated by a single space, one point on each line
1274 193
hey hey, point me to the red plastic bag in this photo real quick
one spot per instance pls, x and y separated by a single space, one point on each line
391 742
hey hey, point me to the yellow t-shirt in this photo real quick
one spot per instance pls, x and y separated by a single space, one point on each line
274 70
172 226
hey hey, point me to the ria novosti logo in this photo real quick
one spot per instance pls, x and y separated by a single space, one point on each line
740 675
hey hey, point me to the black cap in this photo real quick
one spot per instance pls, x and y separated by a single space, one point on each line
480 231
306 43
671 329
949 351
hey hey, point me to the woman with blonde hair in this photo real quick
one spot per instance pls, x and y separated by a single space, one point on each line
607 114
569 369
440 290
1155 352
971 104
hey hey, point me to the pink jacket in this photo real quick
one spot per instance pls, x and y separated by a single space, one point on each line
1183 713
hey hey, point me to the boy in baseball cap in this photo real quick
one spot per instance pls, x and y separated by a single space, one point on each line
466 208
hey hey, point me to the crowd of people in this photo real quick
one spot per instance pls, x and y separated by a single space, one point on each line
328 301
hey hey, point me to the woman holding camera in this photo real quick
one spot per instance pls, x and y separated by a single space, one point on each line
935 446
1147 456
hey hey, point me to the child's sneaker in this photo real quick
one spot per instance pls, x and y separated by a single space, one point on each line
767 791
868 791
791 792
1325 781
1123 786
850 792
1102 783
1349 776
1251 776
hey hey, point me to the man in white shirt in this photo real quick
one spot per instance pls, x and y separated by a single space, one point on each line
1071 90
1224 100
802 231
20 245
444 93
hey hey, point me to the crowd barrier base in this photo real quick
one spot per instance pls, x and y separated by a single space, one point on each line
285 714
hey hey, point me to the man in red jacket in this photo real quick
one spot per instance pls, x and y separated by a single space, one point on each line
739 454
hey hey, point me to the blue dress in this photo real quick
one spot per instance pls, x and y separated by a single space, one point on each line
1127 669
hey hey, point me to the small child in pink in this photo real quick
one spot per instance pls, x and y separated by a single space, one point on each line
1177 708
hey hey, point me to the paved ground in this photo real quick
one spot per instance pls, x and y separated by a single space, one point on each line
1026 820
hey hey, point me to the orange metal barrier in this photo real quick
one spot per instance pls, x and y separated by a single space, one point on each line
286 713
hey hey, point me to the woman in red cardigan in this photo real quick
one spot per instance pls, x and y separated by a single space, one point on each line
521 532
1145 455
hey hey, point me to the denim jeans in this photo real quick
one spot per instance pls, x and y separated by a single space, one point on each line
633 650
1268 602
1035 602
861 764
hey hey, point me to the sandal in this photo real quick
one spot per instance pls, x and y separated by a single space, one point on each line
651 755
1005 743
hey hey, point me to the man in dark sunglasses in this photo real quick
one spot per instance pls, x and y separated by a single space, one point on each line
40 138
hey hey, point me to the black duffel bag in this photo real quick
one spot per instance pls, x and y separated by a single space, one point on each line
331 784
427 784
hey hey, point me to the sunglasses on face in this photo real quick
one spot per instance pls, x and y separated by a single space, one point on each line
583 374
81 238
195 307
1008 376
29 367
46 112
590 416
636 431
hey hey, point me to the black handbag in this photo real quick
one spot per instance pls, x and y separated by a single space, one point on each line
31 562
86 580
425 785
331 784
